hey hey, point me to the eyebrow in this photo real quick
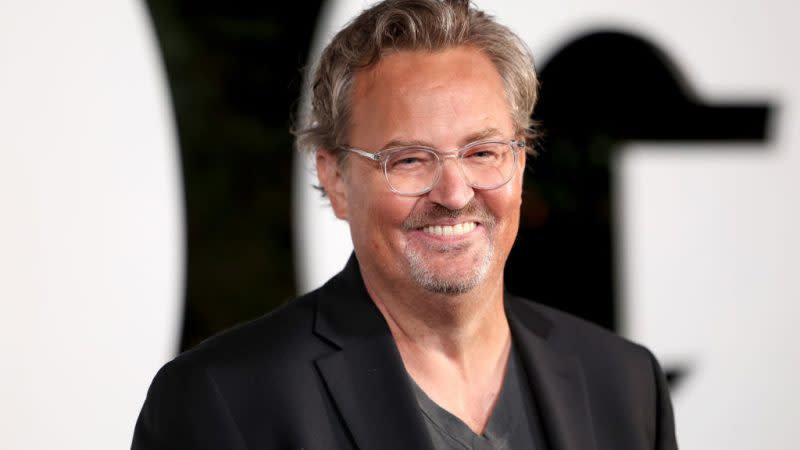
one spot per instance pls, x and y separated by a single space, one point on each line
486 133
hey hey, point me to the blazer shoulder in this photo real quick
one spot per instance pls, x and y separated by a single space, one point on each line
574 334
621 378
280 336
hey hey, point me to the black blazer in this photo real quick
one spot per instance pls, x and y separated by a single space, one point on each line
323 372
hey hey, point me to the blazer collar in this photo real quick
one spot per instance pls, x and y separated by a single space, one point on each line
372 391
556 379
366 377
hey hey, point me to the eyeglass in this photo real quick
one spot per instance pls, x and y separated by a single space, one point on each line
414 170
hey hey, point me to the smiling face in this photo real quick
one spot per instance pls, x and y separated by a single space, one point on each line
453 238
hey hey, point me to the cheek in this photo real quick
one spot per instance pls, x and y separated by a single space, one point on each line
392 210
504 203
361 186
379 213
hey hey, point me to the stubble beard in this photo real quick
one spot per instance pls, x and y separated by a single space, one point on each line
428 277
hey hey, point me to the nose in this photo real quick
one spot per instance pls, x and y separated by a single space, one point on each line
451 190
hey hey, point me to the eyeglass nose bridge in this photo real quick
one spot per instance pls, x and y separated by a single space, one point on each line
440 158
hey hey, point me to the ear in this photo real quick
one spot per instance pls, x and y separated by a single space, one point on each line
521 155
331 178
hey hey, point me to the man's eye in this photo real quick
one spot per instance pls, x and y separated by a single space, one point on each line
407 161
405 164
410 161
482 154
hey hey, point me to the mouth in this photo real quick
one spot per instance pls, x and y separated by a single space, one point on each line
457 229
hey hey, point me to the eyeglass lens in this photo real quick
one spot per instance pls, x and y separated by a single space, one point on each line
415 170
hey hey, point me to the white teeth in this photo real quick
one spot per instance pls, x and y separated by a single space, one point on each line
450 230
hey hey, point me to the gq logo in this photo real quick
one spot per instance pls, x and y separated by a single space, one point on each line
662 204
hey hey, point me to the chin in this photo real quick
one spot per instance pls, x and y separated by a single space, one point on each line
447 278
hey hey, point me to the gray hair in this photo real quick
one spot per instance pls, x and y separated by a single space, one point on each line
407 25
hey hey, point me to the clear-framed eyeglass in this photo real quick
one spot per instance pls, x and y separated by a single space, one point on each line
415 170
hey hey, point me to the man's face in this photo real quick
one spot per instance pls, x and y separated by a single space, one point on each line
455 237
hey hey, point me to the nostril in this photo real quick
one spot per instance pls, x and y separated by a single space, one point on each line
451 191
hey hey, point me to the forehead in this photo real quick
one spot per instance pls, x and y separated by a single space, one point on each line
435 97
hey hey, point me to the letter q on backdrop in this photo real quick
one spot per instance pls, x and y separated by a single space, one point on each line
705 232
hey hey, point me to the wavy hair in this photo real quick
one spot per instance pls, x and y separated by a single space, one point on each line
410 25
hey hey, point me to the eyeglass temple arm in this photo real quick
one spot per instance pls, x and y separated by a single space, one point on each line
366 154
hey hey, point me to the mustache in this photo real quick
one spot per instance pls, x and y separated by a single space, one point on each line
473 211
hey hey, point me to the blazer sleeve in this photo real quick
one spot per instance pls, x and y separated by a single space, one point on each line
665 420
184 410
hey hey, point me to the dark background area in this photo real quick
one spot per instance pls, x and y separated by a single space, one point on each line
235 74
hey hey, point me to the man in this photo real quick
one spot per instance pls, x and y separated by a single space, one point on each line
420 120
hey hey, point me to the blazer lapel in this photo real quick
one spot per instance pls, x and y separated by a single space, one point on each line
366 377
374 397
556 382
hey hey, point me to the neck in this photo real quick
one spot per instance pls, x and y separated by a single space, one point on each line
455 347
457 325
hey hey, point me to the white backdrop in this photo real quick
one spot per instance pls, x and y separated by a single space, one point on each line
91 240
91 232
708 237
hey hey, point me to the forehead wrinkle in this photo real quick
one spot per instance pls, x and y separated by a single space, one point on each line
486 133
